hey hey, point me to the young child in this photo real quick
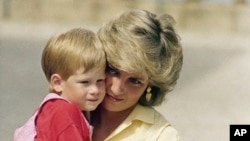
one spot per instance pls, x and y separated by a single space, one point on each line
74 65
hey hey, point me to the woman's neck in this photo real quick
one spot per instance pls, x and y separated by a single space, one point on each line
105 122
102 116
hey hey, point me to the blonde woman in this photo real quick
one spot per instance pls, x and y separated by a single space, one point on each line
144 58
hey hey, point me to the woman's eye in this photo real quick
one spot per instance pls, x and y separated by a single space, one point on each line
134 81
111 71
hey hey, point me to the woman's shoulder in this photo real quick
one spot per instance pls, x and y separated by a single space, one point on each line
169 133
160 129
149 115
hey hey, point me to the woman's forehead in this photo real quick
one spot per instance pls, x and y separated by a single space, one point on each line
133 73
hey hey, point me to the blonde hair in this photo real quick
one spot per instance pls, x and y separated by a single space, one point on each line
75 49
143 43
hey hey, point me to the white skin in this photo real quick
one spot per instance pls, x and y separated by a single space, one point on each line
86 90
123 90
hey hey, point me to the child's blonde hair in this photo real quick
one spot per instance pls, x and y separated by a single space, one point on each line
70 51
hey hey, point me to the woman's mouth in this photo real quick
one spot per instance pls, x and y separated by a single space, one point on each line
113 98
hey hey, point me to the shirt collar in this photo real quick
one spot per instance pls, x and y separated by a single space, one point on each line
142 113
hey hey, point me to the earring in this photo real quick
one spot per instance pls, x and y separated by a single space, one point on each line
148 94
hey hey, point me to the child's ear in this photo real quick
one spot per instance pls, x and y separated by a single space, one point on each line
56 83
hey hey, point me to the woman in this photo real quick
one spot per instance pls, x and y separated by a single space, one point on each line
144 61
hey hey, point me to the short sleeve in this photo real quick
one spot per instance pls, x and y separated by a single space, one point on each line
169 134
72 133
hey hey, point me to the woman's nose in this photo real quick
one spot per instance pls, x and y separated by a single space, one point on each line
118 86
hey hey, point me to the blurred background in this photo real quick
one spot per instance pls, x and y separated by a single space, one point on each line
213 89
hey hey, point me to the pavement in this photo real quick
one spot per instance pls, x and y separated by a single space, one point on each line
212 92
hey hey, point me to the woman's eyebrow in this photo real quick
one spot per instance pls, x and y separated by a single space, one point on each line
140 78
110 66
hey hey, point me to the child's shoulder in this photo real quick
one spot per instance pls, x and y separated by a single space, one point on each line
61 109
60 105
58 114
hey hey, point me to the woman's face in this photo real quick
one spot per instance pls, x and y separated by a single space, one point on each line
123 90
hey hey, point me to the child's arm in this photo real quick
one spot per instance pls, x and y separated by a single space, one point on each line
72 133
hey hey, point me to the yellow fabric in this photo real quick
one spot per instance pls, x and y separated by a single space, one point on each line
144 124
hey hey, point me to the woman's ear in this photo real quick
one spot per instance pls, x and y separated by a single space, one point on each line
56 83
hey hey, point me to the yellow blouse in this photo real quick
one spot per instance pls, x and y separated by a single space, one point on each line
144 124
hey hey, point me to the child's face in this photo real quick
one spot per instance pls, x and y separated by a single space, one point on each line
86 90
